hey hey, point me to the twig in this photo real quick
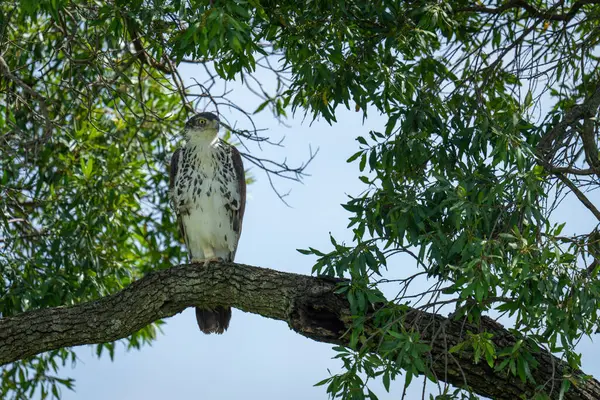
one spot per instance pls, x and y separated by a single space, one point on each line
527 6
5 70
586 202
577 112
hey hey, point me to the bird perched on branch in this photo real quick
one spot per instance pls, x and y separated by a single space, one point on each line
208 194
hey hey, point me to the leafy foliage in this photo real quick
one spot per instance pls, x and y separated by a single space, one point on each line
460 179
491 123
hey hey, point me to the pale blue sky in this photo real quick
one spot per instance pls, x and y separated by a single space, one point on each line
259 357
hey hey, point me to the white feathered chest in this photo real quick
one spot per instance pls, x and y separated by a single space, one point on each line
204 195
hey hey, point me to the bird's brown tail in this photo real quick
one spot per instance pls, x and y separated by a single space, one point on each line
213 321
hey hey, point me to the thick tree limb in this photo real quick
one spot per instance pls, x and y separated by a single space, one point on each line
307 304
588 138
588 109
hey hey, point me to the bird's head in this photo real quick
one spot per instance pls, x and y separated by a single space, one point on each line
202 126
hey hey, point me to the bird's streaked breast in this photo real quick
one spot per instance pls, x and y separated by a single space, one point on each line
205 190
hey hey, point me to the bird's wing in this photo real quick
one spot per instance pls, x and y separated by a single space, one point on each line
238 212
172 175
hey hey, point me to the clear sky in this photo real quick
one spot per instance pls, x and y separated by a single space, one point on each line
259 357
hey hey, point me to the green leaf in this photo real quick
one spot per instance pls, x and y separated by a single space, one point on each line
354 156
363 162
521 366
29 6
262 106
386 381
457 348
564 388
372 395
87 167
323 382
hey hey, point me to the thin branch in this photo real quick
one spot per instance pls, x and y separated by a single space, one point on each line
531 9
586 110
5 70
141 53
586 202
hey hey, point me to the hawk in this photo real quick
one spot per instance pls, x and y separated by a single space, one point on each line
208 194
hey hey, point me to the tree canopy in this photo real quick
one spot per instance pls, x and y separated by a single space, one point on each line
491 112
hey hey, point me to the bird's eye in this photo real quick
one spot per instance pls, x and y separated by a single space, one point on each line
202 121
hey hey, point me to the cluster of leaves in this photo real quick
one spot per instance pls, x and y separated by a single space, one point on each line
456 180
91 94
88 121
83 206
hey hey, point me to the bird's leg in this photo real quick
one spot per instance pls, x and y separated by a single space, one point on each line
210 257
214 260
206 261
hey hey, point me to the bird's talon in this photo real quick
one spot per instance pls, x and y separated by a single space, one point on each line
214 260
205 261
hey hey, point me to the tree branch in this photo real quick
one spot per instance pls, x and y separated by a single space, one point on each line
588 109
579 194
5 70
588 138
141 53
531 9
307 304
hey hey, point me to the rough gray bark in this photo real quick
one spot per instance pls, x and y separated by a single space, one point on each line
306 303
